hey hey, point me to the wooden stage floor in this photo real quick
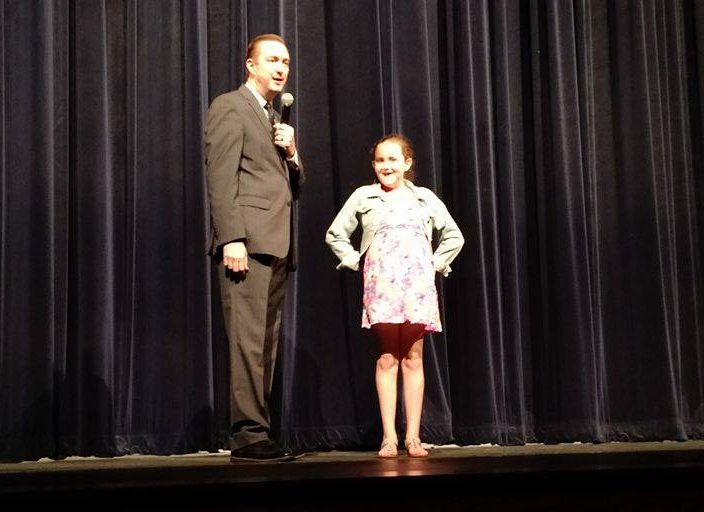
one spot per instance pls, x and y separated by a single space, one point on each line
603 477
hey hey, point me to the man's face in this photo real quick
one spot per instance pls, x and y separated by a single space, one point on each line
268 68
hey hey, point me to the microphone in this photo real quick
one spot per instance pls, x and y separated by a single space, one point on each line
286 102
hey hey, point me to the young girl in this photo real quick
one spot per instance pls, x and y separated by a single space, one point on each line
400 301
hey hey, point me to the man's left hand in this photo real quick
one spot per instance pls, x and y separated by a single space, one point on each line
284 138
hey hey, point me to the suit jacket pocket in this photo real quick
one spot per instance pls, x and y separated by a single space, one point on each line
255 201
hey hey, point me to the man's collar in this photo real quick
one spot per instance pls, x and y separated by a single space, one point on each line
261 99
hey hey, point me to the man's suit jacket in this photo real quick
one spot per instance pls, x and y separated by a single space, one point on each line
250 185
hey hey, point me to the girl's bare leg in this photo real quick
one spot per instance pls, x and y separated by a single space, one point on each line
413 385
386 384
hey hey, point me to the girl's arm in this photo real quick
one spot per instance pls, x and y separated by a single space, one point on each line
338 235
450 239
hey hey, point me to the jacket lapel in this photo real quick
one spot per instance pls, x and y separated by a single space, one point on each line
264 122
257 109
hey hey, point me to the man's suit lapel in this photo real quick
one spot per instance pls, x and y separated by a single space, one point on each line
263 121
256 109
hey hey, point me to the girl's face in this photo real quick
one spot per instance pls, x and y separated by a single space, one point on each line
390 165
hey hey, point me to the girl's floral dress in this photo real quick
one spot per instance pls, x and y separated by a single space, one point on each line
399 278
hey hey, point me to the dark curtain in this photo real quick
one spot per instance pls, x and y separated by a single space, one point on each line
565 138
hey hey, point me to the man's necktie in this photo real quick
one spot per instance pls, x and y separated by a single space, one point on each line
270 112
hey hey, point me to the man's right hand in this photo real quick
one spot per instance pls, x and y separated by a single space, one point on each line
234 256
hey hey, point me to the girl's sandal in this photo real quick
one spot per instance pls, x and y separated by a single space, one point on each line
415 449
389 449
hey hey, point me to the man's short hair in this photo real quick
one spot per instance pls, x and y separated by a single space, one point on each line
254 43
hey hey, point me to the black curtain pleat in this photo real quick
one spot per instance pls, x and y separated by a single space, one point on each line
564 136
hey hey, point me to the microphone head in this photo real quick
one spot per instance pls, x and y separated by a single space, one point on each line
287 99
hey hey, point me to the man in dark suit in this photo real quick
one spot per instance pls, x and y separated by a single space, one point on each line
253 174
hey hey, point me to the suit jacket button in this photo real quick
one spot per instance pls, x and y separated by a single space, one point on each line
288 203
